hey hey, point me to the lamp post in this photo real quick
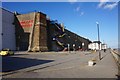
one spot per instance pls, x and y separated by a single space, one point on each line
73 47
79 47
83 46
68 47
98 40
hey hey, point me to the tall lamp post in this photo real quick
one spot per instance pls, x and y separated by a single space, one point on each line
83 46
98 40
68 47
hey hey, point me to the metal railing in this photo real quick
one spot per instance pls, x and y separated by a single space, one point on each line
116 55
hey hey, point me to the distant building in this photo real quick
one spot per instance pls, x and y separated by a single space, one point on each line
7 30
95 45
104 46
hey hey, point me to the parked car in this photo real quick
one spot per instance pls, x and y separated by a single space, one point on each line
6 52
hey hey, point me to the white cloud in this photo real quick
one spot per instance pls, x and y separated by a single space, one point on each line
78 9
82 13
104 0
103 4
72 0
110 6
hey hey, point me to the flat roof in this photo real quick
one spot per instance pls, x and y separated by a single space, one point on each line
7 10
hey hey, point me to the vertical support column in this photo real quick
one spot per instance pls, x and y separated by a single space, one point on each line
39 34
31 35
36 34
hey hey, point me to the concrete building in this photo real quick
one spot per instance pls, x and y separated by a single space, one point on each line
60 38
31 32
34 32
0 28
7 30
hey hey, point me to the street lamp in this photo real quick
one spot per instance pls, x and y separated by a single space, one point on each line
73 47
68 47
98 40
79 47
83 46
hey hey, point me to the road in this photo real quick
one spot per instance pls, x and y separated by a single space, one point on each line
59 65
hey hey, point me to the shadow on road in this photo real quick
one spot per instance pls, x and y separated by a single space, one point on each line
103 56
16 63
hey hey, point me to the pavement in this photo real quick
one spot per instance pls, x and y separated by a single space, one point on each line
59 65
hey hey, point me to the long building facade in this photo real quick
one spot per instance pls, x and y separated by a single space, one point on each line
60 38
34 32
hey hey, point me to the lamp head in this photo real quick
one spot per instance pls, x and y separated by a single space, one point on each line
97 23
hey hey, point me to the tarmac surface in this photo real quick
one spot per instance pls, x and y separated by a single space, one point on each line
59 65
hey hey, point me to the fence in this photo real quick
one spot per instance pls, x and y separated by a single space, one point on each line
116 55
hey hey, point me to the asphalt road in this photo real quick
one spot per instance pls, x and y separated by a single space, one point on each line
59 65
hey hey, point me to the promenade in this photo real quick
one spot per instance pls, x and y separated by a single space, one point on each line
59 65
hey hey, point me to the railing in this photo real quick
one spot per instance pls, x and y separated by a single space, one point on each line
116 56
61 33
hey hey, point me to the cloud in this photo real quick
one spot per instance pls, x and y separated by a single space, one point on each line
78 9
103 4
110 6
72 1
104 0
82 13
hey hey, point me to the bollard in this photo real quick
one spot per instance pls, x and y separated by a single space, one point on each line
90 63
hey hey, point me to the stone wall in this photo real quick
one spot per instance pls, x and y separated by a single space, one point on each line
35 33
31 32
67 38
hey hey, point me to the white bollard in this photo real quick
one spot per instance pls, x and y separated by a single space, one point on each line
90 63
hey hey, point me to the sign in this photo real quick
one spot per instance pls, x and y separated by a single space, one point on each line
26 23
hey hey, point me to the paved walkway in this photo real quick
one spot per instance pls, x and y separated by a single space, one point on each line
68 65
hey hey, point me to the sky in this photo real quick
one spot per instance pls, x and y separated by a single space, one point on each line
78 17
